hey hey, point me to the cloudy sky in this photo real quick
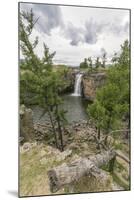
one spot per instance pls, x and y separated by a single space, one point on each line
78 32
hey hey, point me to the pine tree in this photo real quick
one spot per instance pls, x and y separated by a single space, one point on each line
97 63
90 64
104 59
96 112
112 100
37 77
84 64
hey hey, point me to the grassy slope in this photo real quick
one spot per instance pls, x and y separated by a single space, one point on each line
33 170
35 163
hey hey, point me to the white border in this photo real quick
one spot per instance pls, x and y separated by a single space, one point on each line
9 99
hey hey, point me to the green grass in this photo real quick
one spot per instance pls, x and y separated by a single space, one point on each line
33 174
119 180
118 146
35 163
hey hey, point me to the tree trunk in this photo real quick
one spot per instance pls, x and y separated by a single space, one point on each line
98 137
59 129
127 132
68 173
53 127
51 120
98 133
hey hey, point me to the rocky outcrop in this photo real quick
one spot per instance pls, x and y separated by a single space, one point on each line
90 83
27 132
68 82
65 174
27 146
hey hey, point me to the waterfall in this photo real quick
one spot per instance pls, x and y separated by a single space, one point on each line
77 86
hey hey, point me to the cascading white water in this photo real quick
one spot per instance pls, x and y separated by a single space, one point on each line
77 86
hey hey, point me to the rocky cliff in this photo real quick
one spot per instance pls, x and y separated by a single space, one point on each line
90 83
68 82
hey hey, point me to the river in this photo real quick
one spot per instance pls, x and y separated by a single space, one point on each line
74 104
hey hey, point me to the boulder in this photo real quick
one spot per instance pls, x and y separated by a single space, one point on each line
26 124
68 173
27 146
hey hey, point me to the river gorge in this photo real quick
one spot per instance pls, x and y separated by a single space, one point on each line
73 103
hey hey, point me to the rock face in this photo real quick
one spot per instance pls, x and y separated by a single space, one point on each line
68 78
92 82
26 124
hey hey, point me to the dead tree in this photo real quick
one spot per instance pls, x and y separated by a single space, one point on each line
68 173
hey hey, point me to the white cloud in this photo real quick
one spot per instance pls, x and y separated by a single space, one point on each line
78 32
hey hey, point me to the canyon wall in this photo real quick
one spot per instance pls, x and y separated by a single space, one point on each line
90 83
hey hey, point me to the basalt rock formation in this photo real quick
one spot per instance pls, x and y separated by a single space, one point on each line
90 83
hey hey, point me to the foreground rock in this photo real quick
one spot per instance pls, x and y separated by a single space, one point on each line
27 131
68 173
27 146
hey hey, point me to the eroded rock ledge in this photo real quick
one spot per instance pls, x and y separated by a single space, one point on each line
90 83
